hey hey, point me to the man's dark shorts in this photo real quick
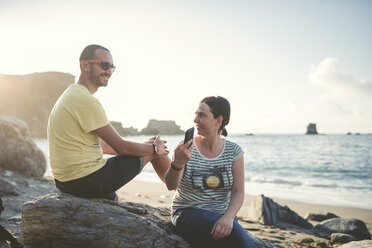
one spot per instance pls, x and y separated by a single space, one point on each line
103 183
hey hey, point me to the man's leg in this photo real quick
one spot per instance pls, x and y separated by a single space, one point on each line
103 183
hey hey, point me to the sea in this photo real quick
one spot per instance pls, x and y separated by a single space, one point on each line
332 169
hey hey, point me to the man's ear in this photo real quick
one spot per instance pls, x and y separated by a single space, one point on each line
84 65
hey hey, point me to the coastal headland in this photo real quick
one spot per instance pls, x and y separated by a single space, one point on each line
31 97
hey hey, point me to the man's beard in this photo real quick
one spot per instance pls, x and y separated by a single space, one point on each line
94 78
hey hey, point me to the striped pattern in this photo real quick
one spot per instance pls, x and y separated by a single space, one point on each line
193 190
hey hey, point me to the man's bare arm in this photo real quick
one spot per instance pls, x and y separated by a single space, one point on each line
120 146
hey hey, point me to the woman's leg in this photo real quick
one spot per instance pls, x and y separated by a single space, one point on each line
195 226
239 236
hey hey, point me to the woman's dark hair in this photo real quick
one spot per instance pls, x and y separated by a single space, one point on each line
219 106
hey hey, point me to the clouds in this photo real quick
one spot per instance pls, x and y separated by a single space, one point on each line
342 102
327 75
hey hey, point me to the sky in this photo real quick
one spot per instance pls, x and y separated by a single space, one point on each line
281 64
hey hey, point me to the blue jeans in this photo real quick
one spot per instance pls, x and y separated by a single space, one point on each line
195 226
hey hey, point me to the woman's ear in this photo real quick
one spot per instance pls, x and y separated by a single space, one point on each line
219 120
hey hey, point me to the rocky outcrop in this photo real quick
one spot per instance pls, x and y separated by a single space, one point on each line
61 220
320 216
358 244
311 129
20 190
352 226
31 97
124 131
155 127
342 238
7 187
267 212
18 152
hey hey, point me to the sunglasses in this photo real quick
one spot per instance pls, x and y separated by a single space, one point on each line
104 65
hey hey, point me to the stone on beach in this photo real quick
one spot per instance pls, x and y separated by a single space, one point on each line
342 238
358 244
351 226
320 216
18 152
267 212
7 187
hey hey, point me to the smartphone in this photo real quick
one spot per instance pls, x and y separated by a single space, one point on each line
189 135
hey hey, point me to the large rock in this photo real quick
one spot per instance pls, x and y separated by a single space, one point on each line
61 220
31 97
155 127
7 187
320 216
18 152
311 129
352 226
358 244
342 238
267 212
124 131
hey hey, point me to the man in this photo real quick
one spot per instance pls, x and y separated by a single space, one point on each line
79 133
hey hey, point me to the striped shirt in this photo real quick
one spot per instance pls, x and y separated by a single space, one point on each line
206 182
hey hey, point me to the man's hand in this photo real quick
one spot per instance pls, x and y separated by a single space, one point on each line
150 141
222 227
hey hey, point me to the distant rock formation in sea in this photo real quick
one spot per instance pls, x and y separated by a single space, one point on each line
31 97
311 129
161 127
124 131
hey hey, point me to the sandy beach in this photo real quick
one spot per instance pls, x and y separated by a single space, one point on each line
156 194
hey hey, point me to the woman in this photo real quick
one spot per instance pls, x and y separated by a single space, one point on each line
208 177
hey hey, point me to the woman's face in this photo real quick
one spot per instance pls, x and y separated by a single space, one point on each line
205 122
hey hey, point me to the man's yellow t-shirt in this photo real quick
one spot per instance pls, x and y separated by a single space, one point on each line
74 151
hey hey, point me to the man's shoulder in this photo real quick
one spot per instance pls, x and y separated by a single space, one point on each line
79 94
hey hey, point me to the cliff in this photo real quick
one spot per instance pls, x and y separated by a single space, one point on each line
31 97
155 127
124 131
311 129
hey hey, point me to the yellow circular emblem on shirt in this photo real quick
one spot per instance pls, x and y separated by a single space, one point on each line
213 181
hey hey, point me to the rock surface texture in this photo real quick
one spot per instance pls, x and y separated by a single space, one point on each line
18 152
358 244
350 226
61 220
31 97
267 212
